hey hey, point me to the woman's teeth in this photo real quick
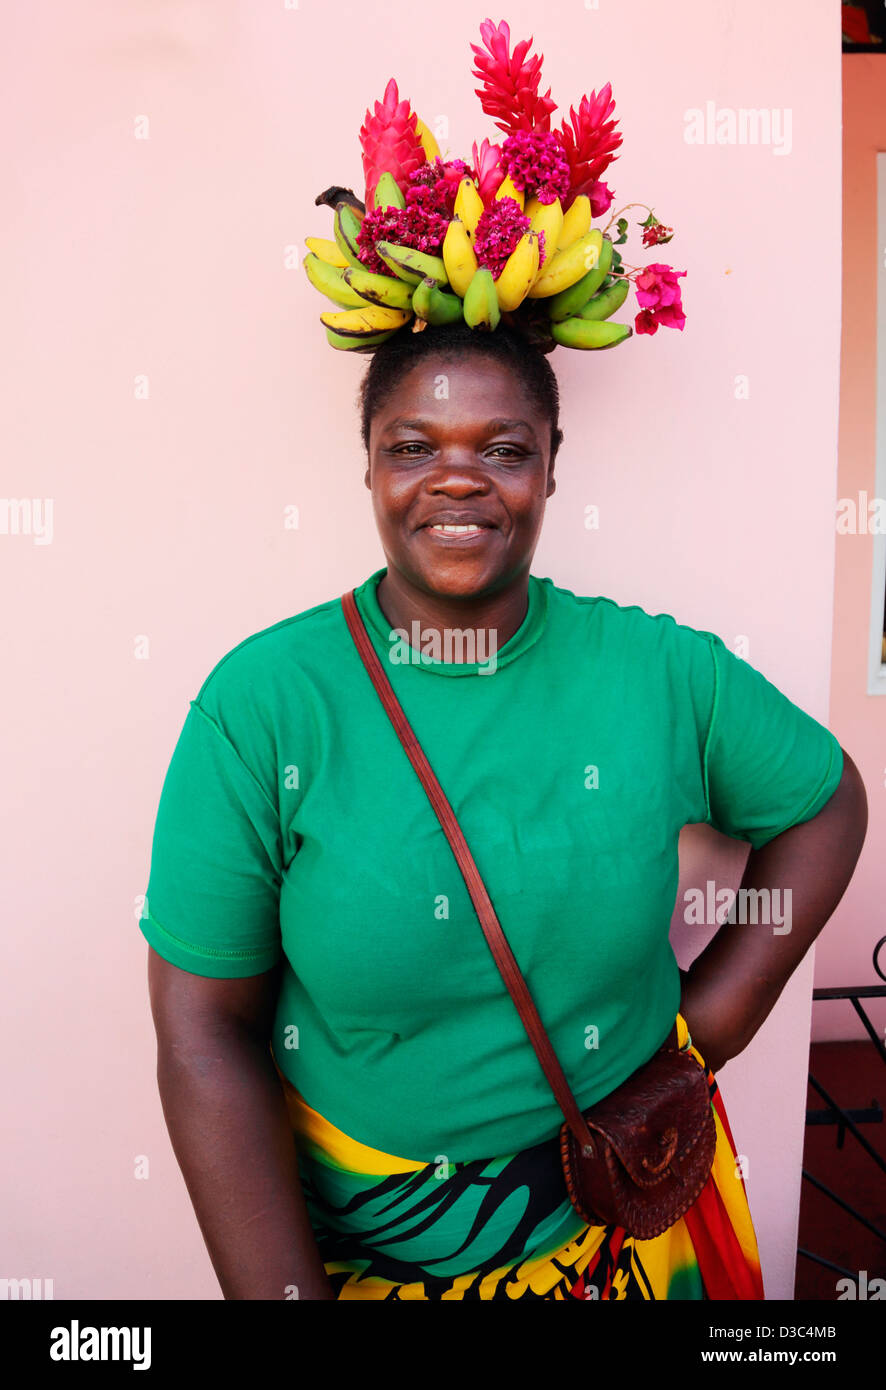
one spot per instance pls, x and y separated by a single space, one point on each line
456 530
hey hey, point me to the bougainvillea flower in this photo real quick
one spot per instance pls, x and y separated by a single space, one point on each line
655 233
658 294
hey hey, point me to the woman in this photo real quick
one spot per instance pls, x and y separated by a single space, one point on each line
397 1139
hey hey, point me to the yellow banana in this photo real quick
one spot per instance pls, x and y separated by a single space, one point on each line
468 204
458 256
547 218
428 143
565 267
326 250
329 280
576 221
372 318
518 273
507 189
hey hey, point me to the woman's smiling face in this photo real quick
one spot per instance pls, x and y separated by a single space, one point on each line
459 442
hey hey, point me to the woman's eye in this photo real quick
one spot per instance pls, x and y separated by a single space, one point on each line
510 450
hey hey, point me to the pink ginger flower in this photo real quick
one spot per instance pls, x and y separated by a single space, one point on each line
389 141
658 294
589 143
487 170
510 81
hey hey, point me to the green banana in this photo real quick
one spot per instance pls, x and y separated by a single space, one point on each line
480 305
377 289
388 193
346 228
365 344
411 265
328 279
570 301
606 302
434 305
589 333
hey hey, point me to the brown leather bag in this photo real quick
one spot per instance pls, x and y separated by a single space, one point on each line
638 1158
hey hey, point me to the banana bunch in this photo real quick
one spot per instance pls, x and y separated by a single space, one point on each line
573 282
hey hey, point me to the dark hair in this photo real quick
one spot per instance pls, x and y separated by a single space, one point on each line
399 354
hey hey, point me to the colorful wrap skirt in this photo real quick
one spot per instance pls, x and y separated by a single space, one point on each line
504 1228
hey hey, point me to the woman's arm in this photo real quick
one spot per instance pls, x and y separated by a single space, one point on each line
228 1123
731 987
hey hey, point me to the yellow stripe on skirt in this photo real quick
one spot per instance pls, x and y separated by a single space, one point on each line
503 1228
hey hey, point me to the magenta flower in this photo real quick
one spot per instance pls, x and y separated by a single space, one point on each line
534 160
498 231
658 295
430 202
419 224
442 179
600 195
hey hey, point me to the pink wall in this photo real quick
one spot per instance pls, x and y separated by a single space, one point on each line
163 259
843 954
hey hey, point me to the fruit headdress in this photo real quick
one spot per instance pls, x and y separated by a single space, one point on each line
506 237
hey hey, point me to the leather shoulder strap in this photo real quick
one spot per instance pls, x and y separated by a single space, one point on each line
501 951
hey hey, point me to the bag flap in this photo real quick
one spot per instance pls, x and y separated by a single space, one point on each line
656 1117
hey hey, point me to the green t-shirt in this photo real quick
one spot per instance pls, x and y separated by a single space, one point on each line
291 823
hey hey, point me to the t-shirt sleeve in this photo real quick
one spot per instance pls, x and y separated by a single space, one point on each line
213 899
768 764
